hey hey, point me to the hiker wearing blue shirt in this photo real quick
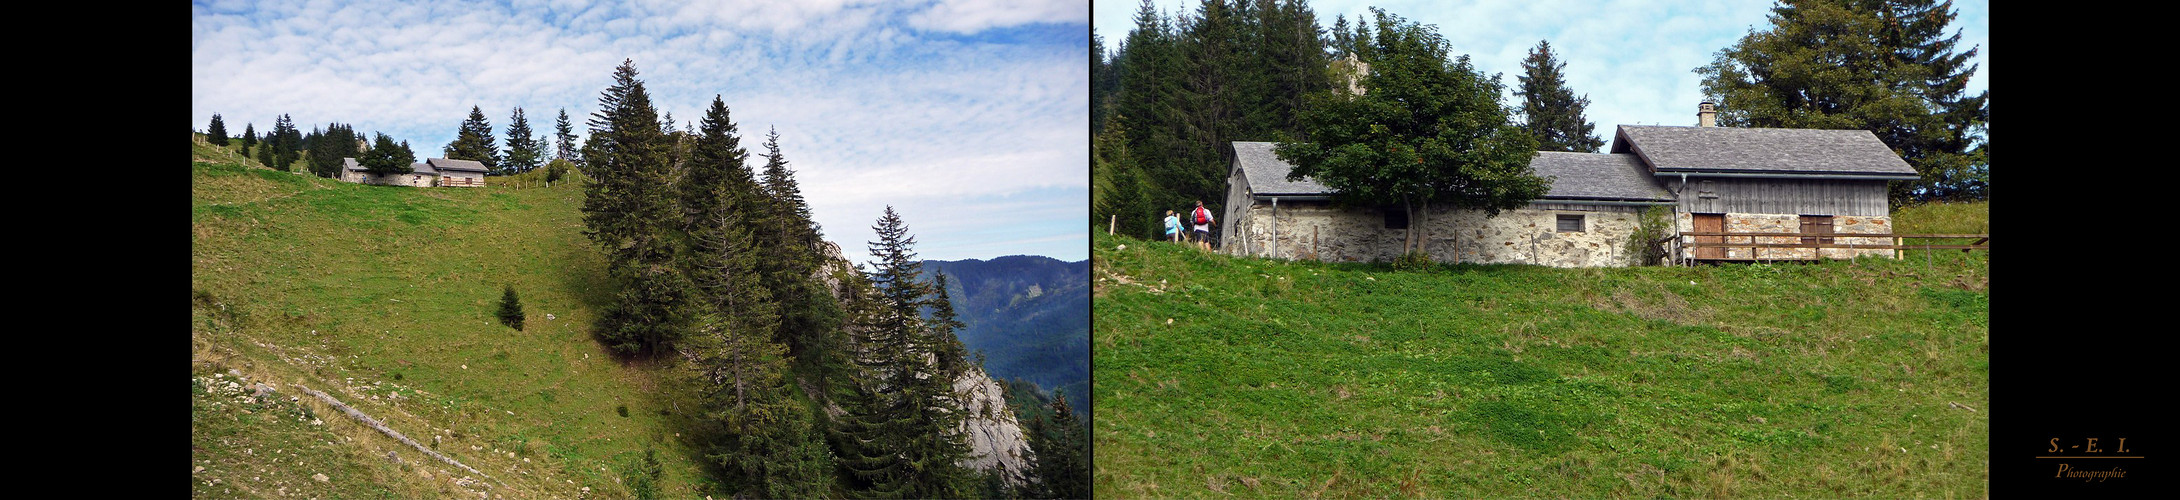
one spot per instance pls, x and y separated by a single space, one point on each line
1173 227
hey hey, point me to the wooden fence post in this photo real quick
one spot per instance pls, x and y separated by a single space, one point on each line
1109 225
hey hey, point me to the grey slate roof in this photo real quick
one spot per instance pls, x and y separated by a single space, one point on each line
1598 176
1267 173
443 165
351 165
1577 176
1760 150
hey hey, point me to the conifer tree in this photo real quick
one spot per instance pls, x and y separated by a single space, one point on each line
329 146
1060 457
628 211
510 312
249 138
904 432
521 147
1553 113
474 141
789 239
285 145
217 132
564 136
1884 66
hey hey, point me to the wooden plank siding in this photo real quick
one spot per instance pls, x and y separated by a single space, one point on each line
1782 196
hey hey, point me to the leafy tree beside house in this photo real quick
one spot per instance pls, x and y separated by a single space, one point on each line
388 158
1884 66
1426 132
1551 111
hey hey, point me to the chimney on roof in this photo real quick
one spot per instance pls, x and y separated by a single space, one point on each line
1707 114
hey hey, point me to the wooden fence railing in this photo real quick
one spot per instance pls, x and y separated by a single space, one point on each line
1720 245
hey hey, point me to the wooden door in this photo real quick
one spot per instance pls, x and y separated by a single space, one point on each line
1710 223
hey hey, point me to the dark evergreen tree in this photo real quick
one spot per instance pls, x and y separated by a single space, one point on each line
1553 114
1887 66
329 147
510 312
249 138
286 145
718 171
474 141
217 132
564 136
629 212
1060 453
266 156
521 147
1148 106
905 427
388 158
1427 132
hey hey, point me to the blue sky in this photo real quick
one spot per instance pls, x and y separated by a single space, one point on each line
1635 59
969 117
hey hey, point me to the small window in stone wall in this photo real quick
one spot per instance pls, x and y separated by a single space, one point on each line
1816 224
1396 218
1570 223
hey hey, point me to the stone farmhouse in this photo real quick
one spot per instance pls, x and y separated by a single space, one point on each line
1714 179
432 172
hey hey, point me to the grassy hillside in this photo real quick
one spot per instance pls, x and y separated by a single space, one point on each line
1221 376
383 297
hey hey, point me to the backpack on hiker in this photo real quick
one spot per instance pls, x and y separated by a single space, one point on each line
1202 216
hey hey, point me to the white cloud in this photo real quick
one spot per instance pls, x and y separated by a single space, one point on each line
972 16
871 110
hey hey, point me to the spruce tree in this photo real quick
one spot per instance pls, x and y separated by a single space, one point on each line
328 147
217 132
789 239
1060 453
521 147
564 136
249 138
718 170
1554 114
628 211
510 312
474 141
1884 66
283 145
907 425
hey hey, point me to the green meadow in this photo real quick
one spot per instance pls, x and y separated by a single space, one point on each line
1218 376
383 297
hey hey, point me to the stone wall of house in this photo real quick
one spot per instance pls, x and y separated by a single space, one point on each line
1318 231
1788 223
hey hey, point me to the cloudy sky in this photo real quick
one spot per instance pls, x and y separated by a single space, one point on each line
969 117
1635 59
